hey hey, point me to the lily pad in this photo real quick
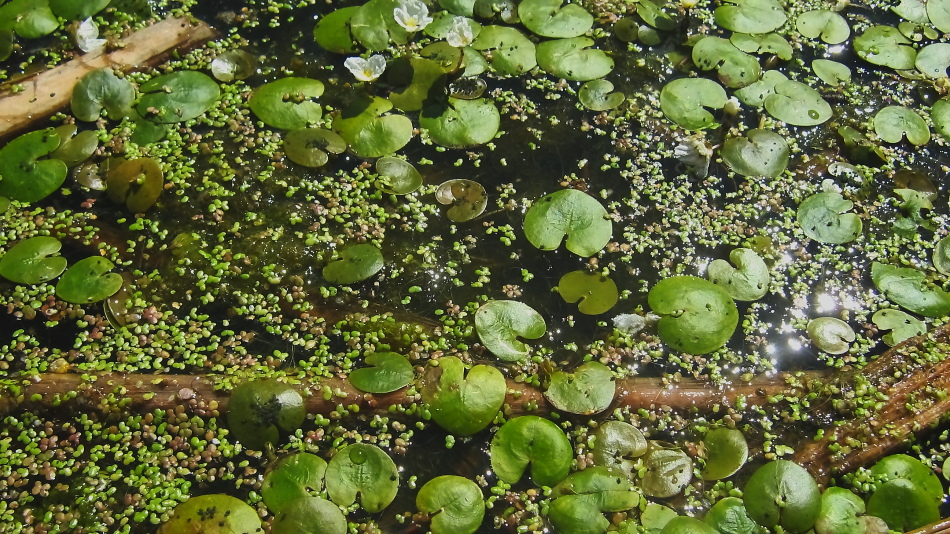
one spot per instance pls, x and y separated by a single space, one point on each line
912 10
842 512
531 440
292 477
830 334
310 515
825 24
655 17
234 65
933 60
940 115
137 183
24 176
390 372
798 104
938 11
212 514
885 46
783 493
768 43
902 325
668 470
286 103
573 59
30 19
74 148
309 146
260 410
686 102
467 199
726 452
102 90
371 133
362 472
500 323
397 176
594 293
824 217
656 516
374 26
588 390
416 80
759 153
332 31
581 499
831 72
596 95
355 264
33 261
551 18
941 256
461 123
749 278
461 404
571 213
177 96
903 505
904 467
756 93
454 504
616 445
697 316
750 16
687 525
910 289
88 280
734 67
894 122
510 52
729 516
77 10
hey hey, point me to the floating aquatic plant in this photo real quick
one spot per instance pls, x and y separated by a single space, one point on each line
33 261
27 173
588 390
500 323
531 440
362 472
462 403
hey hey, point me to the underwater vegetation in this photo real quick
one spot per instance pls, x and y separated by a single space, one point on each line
464 266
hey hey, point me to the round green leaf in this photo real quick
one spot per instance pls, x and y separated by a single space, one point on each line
756 93
596 292
656 516
260 410
101 90
309 146
729 516
23 175
286 103
397 176
902 466
769 43
748 280
687 525
374 26
177 96
369 132
842 512
355 264
550 18
390 372
292 477
310 515
831 72
137 183
830 334
234 65
759 153
910 289
886 46
362 471
668 470
467 199
938 11
750 16
33 261
783 493
532 440
500 323
726 451
828 25
685 101
902 325
454 503
332 31
697 316
824 218
77 10
510 52
616 444
893 122
940 115
74 149
461 123
941 256
734 67
213 514
596 95
582 497
572 59
588 390
462 404
88 280
30 19
573 514
415 79
933 60
903 505
570 213
798 104
912 10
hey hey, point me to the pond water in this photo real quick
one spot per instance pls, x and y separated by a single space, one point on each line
757 127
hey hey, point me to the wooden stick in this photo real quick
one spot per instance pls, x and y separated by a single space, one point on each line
50 91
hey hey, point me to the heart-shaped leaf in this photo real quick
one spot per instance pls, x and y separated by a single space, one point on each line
686 102
734 67
369 131
581 498
460 404
500 323
750 16
309 515
904 467
292 477
260 410
467 199
824 217
212 514
729 516
687 525
769 43
101 90
756 93
30 19
137 183
510 52
748 280
933 60
356 263
234 65
726 451
783 493
588 390
551 18
615 446
941 256
894 122
88 280
596 95
177 96
390 372
309 146
570 213
668 470
287 103
332 31
33 261
902 325
24 176
828 25
938 11
454 503
73 10
416 80
461 123
798 104
903 505
910 289
759 153
397 176
531 440
74 149
697 316
830 334
362 472
595 292
374 26
831 72
573 59
886 46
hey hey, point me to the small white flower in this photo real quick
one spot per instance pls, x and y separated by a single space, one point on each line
460 34
412 15
87 37
366 70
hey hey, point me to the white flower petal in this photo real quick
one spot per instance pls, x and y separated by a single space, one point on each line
87 37
366 70
460 34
